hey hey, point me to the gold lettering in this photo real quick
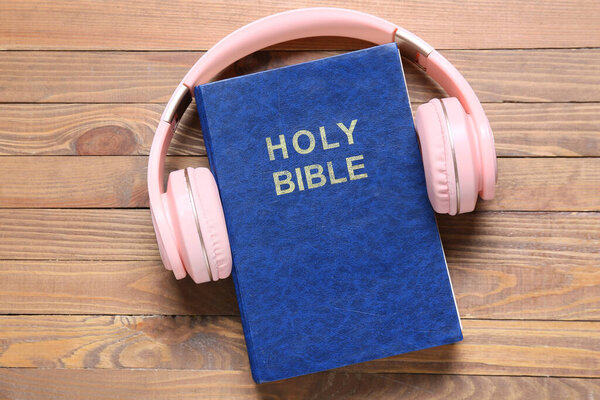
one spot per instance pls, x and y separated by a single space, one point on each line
310 176
281 146
332 177
348 131
327 146
310 147
299 179
352 168
286 181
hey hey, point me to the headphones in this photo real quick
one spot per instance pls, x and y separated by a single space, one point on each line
455 137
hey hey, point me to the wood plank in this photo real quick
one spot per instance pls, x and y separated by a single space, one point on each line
91 76
217 343
209 343
543 129
108 287
503 266
479 238
94 384
549 184
521 238
80 181
552 75
490 291
528 184
520 129
548 292
92 129
180 25
77 235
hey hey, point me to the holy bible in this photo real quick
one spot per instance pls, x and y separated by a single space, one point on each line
337 257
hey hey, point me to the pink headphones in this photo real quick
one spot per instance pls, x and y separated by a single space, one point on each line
455 137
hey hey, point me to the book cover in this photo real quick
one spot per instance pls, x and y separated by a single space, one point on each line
337 257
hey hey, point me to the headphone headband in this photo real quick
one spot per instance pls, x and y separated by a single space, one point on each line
290 25
312 22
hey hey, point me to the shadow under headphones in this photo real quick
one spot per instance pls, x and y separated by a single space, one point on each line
456 140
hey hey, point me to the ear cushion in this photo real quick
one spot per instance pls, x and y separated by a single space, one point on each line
169 252
439 159
466 151
196 216
212 221
183 222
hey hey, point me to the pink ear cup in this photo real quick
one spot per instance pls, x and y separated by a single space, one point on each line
198 224
167 248
212 221
449 148
445 74
183 223
465 150
435 157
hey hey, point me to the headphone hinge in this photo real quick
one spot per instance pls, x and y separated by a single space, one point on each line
411 46
177 105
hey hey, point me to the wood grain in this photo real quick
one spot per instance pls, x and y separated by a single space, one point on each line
138 25
545 129
92 129
77 234
82 85
541 184
80 182
552 184
209 343
491 291
520 129
520 238
123 342
549 292
552 75
108 287
93 384
503 265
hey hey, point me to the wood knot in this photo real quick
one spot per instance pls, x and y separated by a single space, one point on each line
106 140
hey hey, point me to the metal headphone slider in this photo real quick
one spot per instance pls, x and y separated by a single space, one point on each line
177 105
411 45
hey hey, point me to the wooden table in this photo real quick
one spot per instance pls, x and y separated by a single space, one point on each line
89 312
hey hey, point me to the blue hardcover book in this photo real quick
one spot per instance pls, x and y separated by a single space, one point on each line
337 257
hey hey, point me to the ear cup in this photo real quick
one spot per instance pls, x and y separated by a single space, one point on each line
449 149
435 155
192 218
167 245
212 221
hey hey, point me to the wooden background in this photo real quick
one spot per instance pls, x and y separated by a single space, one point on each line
87 311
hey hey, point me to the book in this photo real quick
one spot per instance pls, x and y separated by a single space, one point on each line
337 257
